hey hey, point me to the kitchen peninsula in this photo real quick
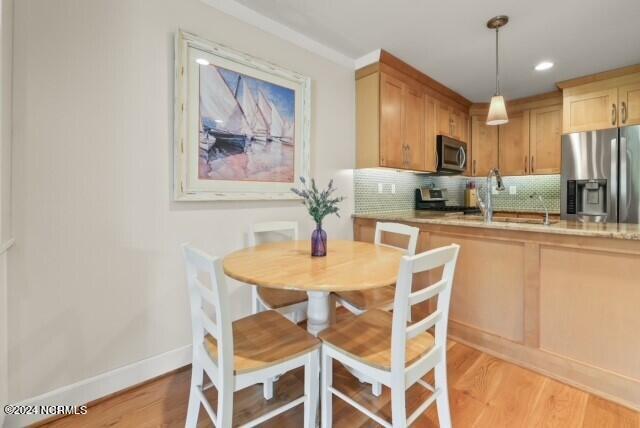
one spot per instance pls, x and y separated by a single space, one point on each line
559 299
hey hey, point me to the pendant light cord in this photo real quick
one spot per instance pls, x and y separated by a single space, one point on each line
497 68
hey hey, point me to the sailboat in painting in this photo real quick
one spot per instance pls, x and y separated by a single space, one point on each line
223 121
232 117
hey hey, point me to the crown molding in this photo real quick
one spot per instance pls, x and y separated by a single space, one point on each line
370 58
250 16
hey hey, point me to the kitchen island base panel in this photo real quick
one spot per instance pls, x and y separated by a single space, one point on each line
563 305
594 380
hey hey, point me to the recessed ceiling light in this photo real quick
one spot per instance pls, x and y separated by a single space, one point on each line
202 61
544 65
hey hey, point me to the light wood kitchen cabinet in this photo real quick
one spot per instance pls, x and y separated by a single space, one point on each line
414 117
484 146
430 134
545 139
459 125
392 147
590 111
397 116
530 143
452 122
513 144
605 100
629 97
443 119
398 133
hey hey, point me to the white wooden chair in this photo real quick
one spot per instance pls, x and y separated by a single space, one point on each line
384 347
290 303
243 353
380 298
357 302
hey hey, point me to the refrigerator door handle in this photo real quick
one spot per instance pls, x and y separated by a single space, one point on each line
613 185
623 208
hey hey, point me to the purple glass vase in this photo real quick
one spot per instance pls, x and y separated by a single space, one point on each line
319 242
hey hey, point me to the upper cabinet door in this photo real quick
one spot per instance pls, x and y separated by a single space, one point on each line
458 124
590 111
545 140
629 104
392 149
430 134
443 118
414 128
451 122
514 144
484 146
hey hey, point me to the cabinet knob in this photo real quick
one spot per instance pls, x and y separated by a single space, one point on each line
525 164
614 114
624 112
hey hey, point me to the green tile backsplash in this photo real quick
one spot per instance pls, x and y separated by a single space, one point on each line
369 200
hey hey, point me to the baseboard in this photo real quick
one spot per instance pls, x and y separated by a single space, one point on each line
96 387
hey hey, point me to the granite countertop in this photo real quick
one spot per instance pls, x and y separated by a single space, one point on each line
559 227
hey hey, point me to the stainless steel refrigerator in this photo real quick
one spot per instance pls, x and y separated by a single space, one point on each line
601 176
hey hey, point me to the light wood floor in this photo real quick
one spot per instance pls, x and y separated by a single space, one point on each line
484 391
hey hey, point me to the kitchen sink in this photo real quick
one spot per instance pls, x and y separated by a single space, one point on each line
506 219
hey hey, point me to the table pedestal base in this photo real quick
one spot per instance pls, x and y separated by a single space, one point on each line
318 311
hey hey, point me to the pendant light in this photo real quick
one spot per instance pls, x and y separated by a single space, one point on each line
497 109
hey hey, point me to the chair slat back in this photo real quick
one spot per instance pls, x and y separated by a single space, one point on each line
259 231
405 298
202 323
398 229
427 293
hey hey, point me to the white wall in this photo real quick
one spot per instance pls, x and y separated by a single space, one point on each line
95 279
6 28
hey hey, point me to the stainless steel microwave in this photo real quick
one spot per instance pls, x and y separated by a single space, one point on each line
452 155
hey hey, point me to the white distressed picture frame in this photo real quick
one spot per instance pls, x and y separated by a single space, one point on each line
187 185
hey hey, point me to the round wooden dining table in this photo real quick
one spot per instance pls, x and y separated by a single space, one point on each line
348 266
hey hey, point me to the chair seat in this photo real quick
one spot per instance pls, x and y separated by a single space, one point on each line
369 299
264 339
367 338
276 298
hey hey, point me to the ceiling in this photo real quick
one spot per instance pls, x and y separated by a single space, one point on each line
450 42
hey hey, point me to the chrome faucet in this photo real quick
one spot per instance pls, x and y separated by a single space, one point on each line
486 206
546 210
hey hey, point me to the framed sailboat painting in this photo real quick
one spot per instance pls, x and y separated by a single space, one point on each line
241 124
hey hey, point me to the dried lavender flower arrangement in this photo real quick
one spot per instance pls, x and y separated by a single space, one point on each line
319 205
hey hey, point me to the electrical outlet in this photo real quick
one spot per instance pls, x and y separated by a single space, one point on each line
379 187
393 188
513 190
